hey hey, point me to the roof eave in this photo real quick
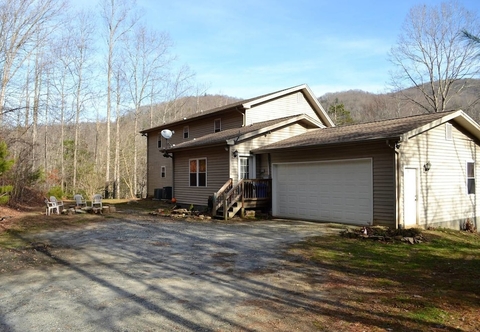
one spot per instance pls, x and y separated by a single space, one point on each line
232 140
459 117
309 146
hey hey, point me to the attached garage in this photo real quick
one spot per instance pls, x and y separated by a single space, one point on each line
337 191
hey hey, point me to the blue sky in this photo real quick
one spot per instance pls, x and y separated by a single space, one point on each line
252 47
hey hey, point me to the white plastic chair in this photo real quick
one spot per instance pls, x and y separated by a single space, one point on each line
51 206
57 202
79 201
97 202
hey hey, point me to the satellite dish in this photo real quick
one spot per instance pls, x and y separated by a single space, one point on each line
167 134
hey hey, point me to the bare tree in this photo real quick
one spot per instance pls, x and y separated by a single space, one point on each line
432 56
21 23
147 60
118 21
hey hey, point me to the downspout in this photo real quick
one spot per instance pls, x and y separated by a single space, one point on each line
475 201
243 115
398 210
173 176
148 159
269 165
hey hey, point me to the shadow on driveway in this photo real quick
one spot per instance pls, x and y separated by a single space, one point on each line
163 275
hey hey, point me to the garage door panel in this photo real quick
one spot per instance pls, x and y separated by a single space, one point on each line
339 191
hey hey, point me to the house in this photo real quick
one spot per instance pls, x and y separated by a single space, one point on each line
211 147
282 151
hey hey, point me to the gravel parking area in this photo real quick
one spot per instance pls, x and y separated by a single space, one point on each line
164 275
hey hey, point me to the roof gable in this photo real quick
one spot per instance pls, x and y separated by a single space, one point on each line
400 128
249 103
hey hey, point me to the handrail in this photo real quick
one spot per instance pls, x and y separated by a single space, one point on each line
218 196
245 189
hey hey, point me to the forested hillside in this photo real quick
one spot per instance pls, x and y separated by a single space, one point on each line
364 106
79 83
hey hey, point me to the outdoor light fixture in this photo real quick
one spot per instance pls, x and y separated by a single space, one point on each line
427 166
235 154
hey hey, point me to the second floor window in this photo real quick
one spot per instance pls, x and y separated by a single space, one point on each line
185 132
217 125
159 142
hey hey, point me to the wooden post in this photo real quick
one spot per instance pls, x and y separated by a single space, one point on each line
225 211
242 193
214 208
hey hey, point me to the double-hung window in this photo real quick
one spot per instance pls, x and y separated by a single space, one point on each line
470 177
198 172
186 132
163 171
159 142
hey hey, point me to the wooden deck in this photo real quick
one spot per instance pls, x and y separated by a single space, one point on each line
246 194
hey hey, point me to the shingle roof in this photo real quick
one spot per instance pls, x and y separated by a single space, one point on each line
227 107
237 133
386 129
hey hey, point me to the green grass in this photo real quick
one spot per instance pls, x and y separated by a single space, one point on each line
413 287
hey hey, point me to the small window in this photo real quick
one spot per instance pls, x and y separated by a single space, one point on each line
470 178
198 172
217 125
163 171
159 142
185 132
448 131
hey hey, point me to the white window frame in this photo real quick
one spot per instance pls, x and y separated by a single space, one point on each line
197 173
163 171
186 132
215 128
251 166
470 177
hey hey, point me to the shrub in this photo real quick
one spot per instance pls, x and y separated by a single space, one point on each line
5 194
55 191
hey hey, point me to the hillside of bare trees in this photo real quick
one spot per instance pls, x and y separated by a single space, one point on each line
72 104
365 106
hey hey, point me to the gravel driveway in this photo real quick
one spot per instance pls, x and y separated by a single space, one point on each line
163 275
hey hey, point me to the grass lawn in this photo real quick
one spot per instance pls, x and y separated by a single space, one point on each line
394 286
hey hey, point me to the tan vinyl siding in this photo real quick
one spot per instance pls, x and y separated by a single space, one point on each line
196 129
442 192
217 175
285 106
382 155
202 127
205 126
244 148
155 162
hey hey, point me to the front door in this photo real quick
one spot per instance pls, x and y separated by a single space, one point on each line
410 197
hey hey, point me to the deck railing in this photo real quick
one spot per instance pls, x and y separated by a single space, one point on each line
245 191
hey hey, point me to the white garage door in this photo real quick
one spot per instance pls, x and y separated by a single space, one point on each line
337 191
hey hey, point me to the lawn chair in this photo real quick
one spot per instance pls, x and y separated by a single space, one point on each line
57 202
51 206
97 203
80 201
